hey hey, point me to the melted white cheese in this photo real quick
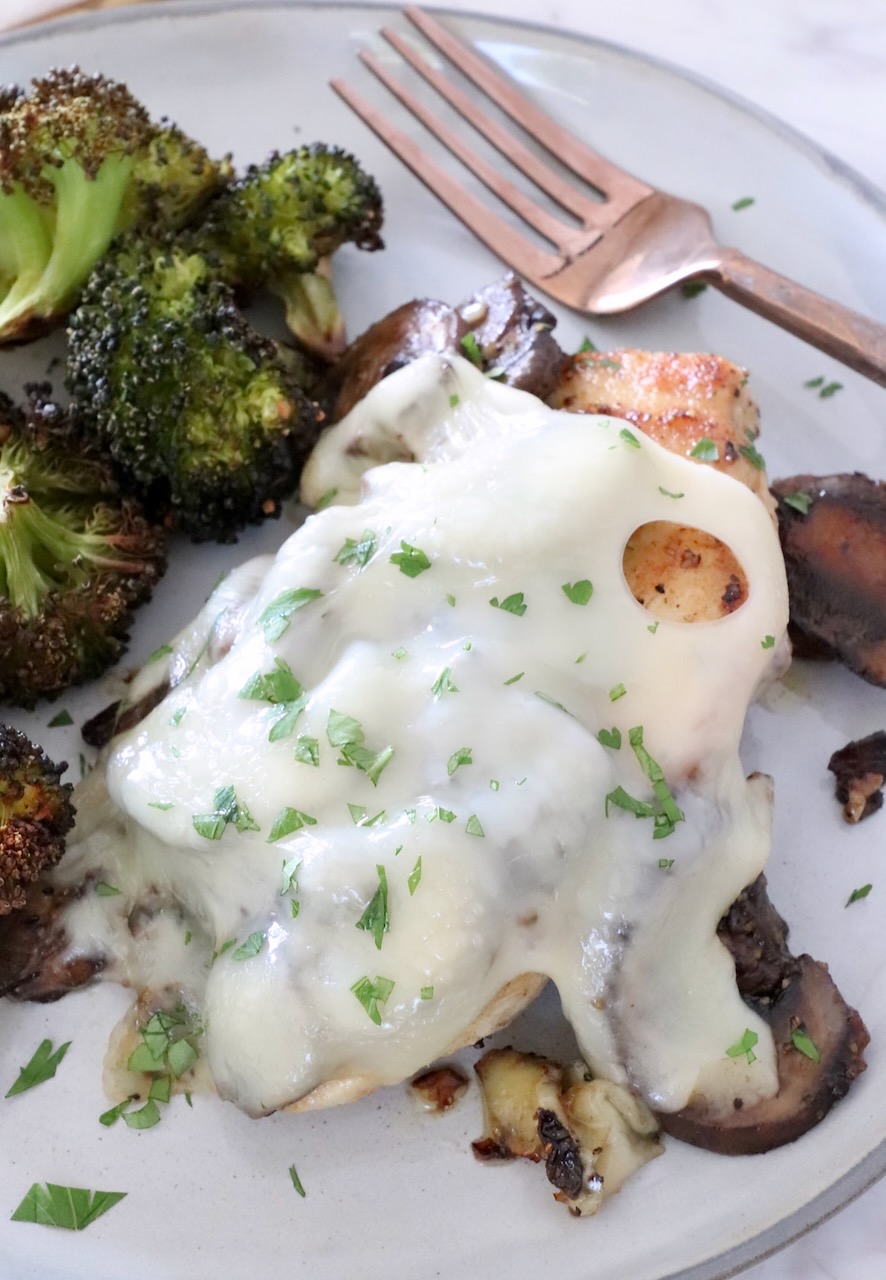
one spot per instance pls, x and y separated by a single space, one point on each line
504 863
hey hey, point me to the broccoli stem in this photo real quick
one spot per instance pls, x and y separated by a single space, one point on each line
51 257
39 553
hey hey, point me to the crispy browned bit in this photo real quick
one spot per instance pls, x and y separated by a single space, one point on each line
860 769
440 1088
563 1162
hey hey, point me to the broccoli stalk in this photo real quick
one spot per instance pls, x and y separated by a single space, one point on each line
75 558
81 161
35 815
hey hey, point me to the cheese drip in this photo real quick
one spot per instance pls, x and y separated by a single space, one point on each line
456 673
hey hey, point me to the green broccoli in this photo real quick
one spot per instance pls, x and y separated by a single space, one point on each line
205 416
80 162
277 226
75 555
35 815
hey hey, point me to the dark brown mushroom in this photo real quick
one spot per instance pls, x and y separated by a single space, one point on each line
833 534
37 961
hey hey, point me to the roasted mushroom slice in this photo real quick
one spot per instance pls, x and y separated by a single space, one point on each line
833 534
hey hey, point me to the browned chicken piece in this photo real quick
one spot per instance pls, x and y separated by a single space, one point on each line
697 406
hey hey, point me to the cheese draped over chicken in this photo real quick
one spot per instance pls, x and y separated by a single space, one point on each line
435 744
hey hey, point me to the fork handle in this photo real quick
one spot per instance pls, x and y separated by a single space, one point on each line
851 338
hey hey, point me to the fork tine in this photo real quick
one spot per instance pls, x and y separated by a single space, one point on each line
544 223
564 193
614 182
513 248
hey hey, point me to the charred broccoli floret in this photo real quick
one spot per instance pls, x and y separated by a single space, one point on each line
35 815
80 162
199 411
75 556
277 226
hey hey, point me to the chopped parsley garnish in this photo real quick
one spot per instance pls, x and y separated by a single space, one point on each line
857 894
226 809
287 821
307 750
450 600
768 642
494 784
513 603
754 457
830 389
290 867
814 382
358 551
177 716
668 813
552 702
473 826
665 863
578 592
414 877
586 346
281 688
744 1046
514 679
144 1117
72 1208
806 1045
105 890
653 627
276 617
617 691
705 450
445 815
346 733
667 493
800 501
629 438
444 683
399 654
427 993
163 805
453 401
411 560
692 288
251 947
744 203
458 758
163 651
59 719
372 994
375 918
610 738
296 1181
624 800
325 498
42 1066
113 1114
358 814
471 347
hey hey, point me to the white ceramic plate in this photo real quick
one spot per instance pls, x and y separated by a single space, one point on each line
389 1189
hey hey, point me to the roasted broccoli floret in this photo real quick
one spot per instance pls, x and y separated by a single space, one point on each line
199 411
35 815
75 556
80 162
277 226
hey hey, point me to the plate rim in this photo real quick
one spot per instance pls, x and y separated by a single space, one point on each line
871 1168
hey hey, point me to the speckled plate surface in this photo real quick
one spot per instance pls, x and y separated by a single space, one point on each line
391 1190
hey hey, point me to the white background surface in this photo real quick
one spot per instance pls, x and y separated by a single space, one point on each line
820 65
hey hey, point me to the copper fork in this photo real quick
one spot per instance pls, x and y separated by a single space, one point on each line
622 249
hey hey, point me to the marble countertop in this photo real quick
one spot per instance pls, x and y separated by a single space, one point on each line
819 65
